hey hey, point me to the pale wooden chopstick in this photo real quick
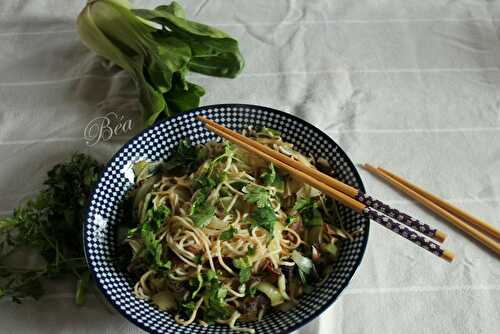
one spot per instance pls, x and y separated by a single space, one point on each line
478 235
468 218
251 146
338 185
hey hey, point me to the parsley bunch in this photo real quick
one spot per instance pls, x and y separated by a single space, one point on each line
49 225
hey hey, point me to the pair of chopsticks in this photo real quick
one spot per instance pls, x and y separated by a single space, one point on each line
351 197
478 229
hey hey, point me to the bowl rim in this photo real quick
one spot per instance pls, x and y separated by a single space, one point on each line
310 316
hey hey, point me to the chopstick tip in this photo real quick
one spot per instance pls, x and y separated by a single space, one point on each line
448 256
369 167
440 236
201 118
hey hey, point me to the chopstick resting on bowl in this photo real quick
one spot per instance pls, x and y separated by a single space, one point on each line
457 217
343 193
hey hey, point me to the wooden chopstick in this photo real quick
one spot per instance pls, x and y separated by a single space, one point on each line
338 185
478 235
252 146
468 218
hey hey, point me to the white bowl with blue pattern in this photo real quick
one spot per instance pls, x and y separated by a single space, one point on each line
156 143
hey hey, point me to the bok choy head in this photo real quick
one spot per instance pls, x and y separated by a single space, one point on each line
158 48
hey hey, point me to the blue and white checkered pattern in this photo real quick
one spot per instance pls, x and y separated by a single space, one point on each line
157 142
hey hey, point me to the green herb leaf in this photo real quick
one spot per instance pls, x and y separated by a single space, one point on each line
213 51
197 259
264 217
243 264
269 175
312 217
202 213
157 216
215 293
153 247
250 251
228 234
271 178
50 224
308 208
303 203
187 156
291 219
256 195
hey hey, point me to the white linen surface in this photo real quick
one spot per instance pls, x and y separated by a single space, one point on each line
409 85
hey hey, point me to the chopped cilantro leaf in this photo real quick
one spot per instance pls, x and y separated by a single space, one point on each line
250 251
153 247
229 152
291 219
204 182
215 308
202 213
243 264
186 156
269 175
252 291
197 259
188 308
211 275
157 216
264 217
228 234
303 203
256 195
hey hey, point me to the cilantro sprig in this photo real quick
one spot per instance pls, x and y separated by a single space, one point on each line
50 225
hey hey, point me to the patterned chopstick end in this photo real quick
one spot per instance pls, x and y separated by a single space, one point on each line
409 234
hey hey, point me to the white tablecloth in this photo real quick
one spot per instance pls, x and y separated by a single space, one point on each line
409 85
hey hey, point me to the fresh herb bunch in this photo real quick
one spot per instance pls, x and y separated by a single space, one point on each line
158 48
50 225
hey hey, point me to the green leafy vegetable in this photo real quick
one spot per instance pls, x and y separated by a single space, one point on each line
50 225
158 48
157 216
153 247
272 133
213 51
264 217
304 264
251 251
186 156
303 203
271 178
269 175
164 300
215 293
271 292
308 208
252 291
201 213
256 195
291 219
243 264
332 249
228 234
